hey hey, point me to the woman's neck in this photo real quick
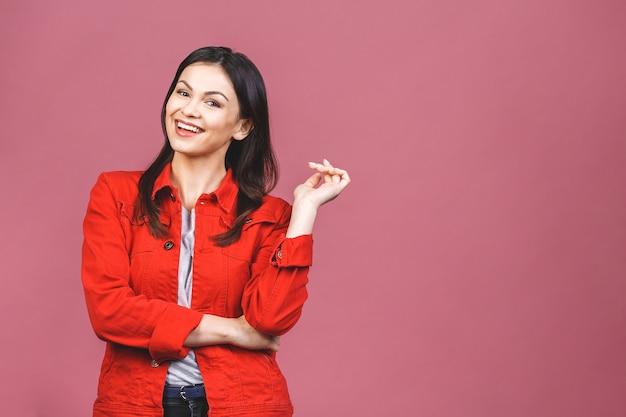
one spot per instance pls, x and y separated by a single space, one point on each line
195 177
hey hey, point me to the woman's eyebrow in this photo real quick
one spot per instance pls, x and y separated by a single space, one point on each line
206 93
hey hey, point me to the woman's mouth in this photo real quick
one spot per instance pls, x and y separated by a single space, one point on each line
183 128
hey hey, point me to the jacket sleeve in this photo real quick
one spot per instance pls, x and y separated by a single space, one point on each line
117 314
274 296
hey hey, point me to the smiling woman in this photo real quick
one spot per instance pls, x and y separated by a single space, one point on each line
191 270
202 116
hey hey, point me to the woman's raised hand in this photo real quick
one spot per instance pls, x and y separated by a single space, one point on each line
320 188
323 186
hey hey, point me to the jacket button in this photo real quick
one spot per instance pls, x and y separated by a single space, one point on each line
168 245
154 364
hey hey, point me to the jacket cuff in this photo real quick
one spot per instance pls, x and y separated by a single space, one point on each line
170 333
294 252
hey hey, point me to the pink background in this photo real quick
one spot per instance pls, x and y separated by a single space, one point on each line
476 266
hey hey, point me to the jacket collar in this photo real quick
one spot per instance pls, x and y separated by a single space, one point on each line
225 194
163 181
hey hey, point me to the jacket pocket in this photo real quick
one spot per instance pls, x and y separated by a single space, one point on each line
260 379
254 230
123 368
141 247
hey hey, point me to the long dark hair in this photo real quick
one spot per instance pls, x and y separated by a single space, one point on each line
251 160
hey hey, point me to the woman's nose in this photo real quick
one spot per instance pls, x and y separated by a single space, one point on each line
191 109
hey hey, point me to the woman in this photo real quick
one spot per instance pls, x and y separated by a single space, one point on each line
191 271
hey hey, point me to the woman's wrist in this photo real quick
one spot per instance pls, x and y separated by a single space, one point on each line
303 216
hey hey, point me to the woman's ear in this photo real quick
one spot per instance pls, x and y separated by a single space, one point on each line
245 127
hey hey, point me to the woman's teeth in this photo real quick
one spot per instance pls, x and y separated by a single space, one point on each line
189 128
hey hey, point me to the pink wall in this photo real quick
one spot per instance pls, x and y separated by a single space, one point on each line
476 266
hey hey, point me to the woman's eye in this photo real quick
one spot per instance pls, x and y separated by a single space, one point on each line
212 103
182 93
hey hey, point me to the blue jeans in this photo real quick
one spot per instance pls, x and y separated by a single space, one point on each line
179 407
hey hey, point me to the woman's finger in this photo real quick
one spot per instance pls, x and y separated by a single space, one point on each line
331 174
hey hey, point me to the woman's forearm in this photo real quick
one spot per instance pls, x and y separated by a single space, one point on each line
217 330
212 330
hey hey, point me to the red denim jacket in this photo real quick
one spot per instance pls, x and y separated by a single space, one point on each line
130 280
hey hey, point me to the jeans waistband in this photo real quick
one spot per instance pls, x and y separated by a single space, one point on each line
190 391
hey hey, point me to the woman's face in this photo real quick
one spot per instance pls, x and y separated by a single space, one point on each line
202 114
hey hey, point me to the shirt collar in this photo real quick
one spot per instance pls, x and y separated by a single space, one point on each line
225 194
